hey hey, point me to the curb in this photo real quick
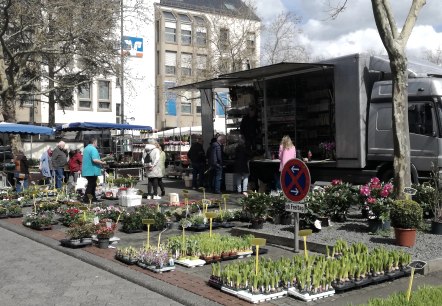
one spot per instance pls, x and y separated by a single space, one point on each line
434 265
175 293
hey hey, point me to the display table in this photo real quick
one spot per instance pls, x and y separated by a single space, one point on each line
133 171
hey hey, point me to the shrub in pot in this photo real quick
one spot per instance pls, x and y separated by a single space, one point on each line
406 217
277 209
256 207
339 197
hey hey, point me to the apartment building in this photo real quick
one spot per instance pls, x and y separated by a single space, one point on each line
183 41
197 40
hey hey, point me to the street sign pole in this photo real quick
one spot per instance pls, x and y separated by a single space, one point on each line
296 232
295 183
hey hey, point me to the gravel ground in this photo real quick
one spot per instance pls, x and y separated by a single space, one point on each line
355 229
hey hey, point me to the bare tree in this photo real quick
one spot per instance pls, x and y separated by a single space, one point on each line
233 39
280 40
434 56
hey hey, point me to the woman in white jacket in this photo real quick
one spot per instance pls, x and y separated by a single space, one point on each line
153 170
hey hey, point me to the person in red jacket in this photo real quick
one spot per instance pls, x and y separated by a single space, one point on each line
75 163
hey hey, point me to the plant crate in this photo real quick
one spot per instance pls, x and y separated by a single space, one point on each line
307 297
191 263
67 243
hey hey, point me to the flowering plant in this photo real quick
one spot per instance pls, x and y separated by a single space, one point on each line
377 197
70 215
339 196
328 148
105 229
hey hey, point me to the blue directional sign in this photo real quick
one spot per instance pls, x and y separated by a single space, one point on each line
295 180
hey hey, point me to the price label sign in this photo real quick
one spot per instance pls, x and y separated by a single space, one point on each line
410 191
296 207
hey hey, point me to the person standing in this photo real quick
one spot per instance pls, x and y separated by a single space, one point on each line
75 164
241 166
59 160
46 165
163 168
153 171
198 162
91 169
249 128
287 151
217 162
21 173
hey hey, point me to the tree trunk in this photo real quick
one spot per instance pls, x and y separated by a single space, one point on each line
401 135
9 115
51 97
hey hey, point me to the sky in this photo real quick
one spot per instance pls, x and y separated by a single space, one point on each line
354 30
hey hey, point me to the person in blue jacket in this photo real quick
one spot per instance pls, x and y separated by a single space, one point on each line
91 169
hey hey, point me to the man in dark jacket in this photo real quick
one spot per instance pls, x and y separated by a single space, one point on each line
249 128
198 161
216 161
59 160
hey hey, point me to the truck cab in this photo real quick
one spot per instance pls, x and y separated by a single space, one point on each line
425 126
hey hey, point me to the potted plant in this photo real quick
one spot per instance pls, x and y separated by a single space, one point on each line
15 211
377 197
3 212
74 235
277 210
132 222
406 216
256 207
339 197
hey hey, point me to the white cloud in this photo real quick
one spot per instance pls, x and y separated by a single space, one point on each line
354 30
269 9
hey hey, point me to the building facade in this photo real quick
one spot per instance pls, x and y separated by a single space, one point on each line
183 41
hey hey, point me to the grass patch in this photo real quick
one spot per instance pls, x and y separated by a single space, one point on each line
423 296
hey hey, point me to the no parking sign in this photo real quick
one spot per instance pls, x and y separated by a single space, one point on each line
295 180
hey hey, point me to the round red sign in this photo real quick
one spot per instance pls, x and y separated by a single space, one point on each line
295 180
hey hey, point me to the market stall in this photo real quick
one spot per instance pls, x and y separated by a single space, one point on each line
122 164
6 177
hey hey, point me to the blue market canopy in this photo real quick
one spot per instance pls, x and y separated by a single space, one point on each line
90 126
15 128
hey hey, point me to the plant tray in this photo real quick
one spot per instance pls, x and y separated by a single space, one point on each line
244 254
258 298
126 261
395 274
15 215
222 259
131 231
344 286
191 263
261 251
42 228
309 297
363 282
67 243
3 216
199 228
152 268
379 278
215 284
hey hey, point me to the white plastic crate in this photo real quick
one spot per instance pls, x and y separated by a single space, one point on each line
130 200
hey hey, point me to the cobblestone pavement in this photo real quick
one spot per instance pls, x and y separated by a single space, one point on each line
34 274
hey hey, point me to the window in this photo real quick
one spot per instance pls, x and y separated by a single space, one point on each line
186 30
250 43
170 62
186 64
198 105
201 64
186 103
223 65
420 118
223 38
104 95
170 99
85 97
27 100
201 31
169 27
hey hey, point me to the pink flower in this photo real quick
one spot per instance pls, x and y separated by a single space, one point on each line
389 187
336 182
384 193
371 200
364 191
375 181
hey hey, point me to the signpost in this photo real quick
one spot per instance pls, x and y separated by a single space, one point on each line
295 183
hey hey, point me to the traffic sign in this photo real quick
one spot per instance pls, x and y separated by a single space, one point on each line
295 180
